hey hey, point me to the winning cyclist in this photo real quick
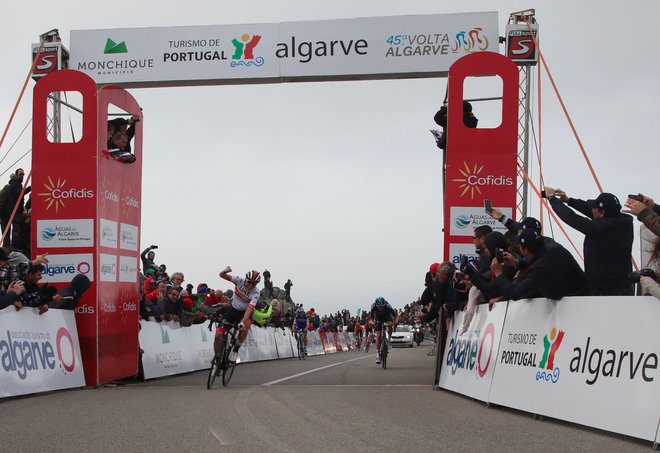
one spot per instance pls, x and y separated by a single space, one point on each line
381 312
299 326
242 306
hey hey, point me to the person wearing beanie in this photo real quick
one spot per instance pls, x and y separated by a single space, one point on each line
608 239
148 255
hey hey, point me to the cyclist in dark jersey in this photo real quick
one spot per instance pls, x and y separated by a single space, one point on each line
382 312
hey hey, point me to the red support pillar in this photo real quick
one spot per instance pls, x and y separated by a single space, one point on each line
86 216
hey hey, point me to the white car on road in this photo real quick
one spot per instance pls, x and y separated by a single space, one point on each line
402 336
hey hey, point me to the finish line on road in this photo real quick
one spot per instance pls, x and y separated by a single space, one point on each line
267 384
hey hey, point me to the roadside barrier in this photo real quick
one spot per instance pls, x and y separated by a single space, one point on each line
587 360
171 349
38 353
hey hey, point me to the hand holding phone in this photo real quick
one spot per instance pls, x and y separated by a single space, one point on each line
488 206
638 197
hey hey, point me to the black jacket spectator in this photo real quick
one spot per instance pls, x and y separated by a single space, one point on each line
552 273
607 243
441 293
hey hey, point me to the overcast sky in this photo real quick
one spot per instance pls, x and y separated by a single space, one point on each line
337 185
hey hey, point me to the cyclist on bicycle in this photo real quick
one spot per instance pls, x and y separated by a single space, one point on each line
242 306
357 333
382 312
299 326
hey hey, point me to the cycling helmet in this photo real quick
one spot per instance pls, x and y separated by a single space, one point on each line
253 277
261 315
380 302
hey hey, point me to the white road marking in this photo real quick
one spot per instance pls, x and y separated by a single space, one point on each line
218 436
277 381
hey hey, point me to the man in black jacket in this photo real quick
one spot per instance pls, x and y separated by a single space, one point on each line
442 295
608 239
552 272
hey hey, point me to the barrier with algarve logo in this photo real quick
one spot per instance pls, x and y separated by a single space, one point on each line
38 353
580 359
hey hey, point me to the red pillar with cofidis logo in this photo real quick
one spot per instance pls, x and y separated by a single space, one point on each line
480 163
86 216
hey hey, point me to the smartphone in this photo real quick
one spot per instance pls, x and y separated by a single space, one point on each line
636 197
488 206
543 195
499 254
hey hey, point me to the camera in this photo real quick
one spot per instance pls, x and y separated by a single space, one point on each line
468 267
634 277
459 284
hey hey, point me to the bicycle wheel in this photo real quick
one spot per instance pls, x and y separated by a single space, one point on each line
367 344
213 372
228 365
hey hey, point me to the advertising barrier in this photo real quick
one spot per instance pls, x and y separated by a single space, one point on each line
284 342
314 344
580 360
38 353
469 361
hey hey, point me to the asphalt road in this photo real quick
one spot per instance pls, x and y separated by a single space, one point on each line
340 402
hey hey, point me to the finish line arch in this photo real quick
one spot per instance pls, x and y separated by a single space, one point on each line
104 197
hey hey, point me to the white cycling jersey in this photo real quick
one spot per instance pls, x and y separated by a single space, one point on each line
242 297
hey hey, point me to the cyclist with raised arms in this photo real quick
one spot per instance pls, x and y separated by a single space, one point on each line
242 306
299 326
382 312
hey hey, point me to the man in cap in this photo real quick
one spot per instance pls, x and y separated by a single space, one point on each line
552 272
608 239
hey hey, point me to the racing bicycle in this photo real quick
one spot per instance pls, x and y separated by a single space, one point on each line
300 343
368 341
225 362
384 345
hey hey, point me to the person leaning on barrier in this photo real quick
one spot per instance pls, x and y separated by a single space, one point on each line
442 296
13 295
33 295
14 265
552 272
646 211
608 240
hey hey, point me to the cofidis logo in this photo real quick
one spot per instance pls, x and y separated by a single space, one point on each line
472 354
473 179
56 194
244 51
26 352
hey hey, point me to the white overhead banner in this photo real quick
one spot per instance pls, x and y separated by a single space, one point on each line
588 360
38 353
364 48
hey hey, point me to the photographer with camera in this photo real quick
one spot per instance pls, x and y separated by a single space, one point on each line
552 272
147 257
482 286
646 211
608 240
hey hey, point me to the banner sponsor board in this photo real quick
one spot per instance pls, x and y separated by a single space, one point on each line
314 344
469 359
458 251
166 349
284 342
62 268
108 236
128 237
65 233
38 353
396 46
128 269
107 268
578 360
464 219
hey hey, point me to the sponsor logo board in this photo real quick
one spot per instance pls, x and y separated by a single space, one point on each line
128 269
465 219
128 239
107 268
65 233
458 251
62 268
108 233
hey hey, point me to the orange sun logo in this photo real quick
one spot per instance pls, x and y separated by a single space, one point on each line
466 183
49 197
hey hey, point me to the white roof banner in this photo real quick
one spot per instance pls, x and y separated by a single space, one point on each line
364 48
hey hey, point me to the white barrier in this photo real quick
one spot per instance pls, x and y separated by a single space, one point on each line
588 360
469 359
171 349
38 353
